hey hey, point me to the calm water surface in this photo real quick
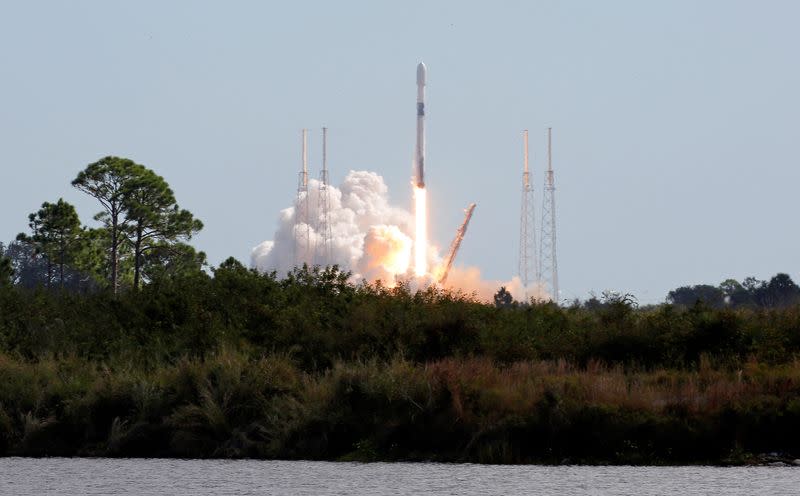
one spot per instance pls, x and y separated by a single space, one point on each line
25 476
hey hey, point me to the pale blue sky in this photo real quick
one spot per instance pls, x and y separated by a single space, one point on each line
675 123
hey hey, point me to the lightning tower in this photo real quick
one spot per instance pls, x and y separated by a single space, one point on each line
302 227
528 269
324 205
547 253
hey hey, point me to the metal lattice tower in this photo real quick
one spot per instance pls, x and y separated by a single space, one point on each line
528 268
323 255
302 227
547 253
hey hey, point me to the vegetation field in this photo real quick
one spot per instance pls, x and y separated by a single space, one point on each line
241 364
118 340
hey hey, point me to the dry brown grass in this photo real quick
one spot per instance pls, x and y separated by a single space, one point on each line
490 389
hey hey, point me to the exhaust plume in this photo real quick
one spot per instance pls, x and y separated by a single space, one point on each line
371 238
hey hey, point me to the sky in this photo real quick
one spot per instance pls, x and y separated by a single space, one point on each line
675 123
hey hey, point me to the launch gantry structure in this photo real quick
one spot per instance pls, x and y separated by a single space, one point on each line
323 252
302 224
528 267
548 268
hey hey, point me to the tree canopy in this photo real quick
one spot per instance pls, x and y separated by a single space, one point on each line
780 291
139 215
107 181
55 235
154 218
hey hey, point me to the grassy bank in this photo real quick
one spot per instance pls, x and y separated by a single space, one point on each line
229 405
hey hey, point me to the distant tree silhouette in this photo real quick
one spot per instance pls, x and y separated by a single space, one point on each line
689 295
503 299
736 295
780 291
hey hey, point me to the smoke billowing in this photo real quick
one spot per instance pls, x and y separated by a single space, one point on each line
369 237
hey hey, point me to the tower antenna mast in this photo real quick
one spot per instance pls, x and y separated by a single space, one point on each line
547 253
324 201
528 269
302 227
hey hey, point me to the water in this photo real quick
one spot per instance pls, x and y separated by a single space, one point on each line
75 476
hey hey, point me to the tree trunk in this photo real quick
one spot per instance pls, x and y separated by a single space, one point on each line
137 256
114 242
63 249
49 272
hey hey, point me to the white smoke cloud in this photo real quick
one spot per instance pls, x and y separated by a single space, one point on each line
365 231
369 237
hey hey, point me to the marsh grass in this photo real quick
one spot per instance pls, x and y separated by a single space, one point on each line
469 409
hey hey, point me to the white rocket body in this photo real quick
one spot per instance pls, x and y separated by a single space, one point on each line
419 156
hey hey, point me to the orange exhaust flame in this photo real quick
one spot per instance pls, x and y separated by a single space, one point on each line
388 251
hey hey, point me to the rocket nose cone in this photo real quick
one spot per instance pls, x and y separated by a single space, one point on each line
421 74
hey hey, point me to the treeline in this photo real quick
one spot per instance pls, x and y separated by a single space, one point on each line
141 236
779 292
318 317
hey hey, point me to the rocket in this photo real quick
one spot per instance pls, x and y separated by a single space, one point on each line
419 156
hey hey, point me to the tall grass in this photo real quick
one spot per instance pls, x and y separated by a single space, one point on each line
471 409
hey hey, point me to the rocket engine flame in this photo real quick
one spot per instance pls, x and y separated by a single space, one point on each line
388 250
421 233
